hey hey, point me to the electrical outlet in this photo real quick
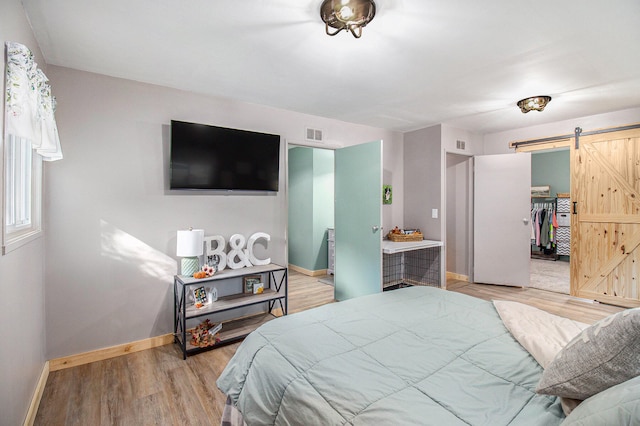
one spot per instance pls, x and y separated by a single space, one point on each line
434 213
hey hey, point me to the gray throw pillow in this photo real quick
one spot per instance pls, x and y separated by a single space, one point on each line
618 405
603 355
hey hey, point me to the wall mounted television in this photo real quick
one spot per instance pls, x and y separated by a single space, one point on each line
217 158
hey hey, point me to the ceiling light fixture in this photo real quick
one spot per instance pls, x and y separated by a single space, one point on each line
350 15
536 103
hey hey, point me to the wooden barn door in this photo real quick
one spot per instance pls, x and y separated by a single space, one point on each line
605 226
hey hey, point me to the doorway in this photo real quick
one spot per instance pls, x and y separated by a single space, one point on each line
459 216
311 178
548 167
550 268
354 205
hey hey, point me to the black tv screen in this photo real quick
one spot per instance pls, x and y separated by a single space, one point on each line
218 158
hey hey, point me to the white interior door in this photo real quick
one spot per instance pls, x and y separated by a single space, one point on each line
502 219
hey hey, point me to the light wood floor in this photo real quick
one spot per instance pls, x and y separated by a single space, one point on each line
157 387
555 303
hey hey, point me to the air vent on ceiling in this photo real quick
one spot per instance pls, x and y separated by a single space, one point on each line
460 144
314 135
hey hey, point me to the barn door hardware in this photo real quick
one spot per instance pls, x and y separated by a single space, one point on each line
577 132
575 207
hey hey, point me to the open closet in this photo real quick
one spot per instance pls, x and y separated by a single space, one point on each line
311 208
544 225
604 224
550 220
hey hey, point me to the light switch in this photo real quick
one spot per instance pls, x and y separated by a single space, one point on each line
434 213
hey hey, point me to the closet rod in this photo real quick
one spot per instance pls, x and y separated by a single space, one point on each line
539 141
578 132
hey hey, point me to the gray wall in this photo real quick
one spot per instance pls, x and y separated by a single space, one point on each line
112 221
553 169
425 182
422 180
22 313
428 186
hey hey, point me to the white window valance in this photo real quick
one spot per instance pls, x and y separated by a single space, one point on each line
30 106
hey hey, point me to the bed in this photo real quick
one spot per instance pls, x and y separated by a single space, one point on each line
417 355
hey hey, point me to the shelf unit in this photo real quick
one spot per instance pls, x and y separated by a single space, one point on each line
275 279
564 226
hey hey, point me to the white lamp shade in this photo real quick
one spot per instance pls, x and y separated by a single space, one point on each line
190 243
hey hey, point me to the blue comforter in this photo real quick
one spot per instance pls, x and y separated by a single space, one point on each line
418 355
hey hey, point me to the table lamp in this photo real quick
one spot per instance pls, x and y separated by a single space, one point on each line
190 246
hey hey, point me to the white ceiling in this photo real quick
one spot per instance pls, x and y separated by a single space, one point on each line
419 62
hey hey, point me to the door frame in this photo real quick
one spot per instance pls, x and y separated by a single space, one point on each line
550 146
332 147
469 249
286 184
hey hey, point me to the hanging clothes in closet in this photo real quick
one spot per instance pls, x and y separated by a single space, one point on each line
544 225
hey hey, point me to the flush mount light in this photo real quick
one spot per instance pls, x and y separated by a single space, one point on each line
536 103
350 15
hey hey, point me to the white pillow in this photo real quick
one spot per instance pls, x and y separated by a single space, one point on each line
542 334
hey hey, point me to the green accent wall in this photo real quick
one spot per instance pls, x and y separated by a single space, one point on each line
311 205
551 168
300 205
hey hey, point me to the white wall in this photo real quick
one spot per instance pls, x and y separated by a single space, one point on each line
22 319
498 143
112 221
473 141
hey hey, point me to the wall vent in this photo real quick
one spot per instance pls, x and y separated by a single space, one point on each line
460 144
314 135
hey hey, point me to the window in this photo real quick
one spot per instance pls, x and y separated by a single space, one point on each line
31 138
22 193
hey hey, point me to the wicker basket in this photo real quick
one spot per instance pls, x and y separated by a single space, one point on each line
416 236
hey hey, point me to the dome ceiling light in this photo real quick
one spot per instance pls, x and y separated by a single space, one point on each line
350 15
536 103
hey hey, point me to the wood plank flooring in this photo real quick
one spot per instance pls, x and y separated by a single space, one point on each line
157 387
556 303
